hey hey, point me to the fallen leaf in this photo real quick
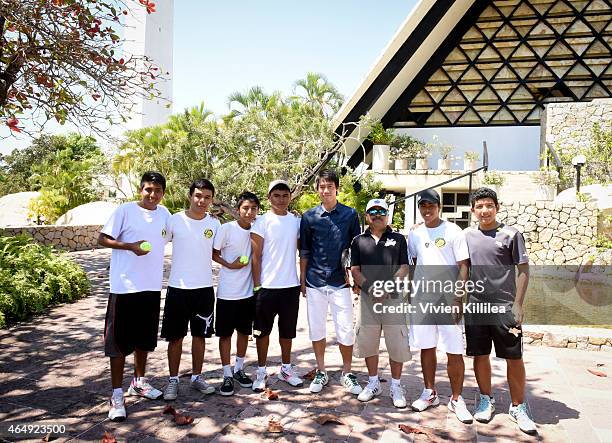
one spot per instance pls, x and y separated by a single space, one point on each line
274 426
329 418
415 430
108 438
310 375
597 373
270 394
179 419
47 437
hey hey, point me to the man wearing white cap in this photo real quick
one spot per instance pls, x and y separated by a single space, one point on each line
274 237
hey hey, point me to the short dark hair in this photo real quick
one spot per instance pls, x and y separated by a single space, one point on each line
328 175
201 183
482 193
153 177
247 196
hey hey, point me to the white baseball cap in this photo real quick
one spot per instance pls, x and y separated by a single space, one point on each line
275 183
377 202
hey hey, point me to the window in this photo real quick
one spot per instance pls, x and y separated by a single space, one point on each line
456 208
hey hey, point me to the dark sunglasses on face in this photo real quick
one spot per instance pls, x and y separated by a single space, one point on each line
381 212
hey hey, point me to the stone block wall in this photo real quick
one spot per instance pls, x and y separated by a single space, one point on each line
555 233
69 238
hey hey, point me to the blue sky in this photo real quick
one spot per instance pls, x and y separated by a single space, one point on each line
222 47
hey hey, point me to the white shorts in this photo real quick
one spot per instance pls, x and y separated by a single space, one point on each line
339 299
448 338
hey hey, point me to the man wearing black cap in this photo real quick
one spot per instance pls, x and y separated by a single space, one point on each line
441 256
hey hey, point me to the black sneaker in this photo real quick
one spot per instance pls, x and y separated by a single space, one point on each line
227 388
243 380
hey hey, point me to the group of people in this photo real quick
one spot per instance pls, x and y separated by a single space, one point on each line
259 281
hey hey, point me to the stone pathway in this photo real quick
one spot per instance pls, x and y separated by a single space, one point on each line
53 371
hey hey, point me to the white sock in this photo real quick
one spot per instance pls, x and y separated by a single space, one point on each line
239 364
194 377
173 378
395 382
227 371
261 370
117 392
373 379
286 366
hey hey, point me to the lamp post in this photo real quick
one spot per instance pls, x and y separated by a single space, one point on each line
578 161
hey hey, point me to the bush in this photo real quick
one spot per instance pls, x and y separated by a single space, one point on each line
33 276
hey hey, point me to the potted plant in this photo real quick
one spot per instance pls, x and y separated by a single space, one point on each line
444 162
470 160
422 150
547 182
381 138
402 151
493 180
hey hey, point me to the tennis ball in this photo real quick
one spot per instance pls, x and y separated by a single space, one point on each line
244 259
145 246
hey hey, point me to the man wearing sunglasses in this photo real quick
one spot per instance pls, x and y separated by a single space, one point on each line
380 255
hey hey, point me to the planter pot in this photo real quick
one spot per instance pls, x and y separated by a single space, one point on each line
545 192
401 164
422 164
380 157
444 163
494 188
470 165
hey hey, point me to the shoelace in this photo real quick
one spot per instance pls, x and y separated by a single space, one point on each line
521 410
482 404
352 379
319 377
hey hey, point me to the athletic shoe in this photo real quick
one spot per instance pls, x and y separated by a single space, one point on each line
227 388
290 377
320 379
117 409
370 391
397 395
144 389
428 398
171 391
243 380
350 383
520 415
200 384
260 382
460 409
484 411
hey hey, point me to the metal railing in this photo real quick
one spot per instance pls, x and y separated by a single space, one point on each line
551 155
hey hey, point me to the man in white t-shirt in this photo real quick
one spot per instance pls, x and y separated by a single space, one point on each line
235 299
274 238
441 256
136 233
190 299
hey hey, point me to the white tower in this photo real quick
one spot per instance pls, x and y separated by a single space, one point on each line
152 35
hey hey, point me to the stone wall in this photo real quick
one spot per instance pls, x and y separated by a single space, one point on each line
69 238
555 233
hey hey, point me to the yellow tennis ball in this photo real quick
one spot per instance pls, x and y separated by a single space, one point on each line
244 259
146 246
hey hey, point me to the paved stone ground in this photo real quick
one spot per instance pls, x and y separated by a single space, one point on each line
53 371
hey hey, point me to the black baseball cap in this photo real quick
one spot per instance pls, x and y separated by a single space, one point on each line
428 195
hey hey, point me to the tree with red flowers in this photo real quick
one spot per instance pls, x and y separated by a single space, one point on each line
63 60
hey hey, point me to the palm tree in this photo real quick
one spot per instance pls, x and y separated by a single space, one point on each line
253 98
319 93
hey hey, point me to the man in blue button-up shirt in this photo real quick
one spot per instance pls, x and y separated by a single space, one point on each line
326 231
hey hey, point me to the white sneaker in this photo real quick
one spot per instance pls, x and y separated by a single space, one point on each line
320 379
200 384
370 391
460 409
428 398
171 391
520 415
350 383
260 382
290 377
397 395
117 409
143 388
485 408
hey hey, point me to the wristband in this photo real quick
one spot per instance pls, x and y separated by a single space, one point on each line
256 288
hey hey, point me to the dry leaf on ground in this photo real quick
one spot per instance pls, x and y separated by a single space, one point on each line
310 375
108 438
597 373
415 430
179 419
270 394
329 418
274 426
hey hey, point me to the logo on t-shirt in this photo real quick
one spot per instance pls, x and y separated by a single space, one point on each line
440 242
390 242
208 233
164 233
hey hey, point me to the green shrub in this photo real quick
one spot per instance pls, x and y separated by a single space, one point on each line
33 276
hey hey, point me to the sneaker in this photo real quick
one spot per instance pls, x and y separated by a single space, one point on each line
144 389
428 398
290 377
397 395
260 382
460 409
227 388
350 383
171 391
484 411
200 384
243 379
117 409
520 415
370 391
320 379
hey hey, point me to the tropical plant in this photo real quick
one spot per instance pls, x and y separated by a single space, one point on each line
546 178
471 155
493 178
316 91
379 135
403 146
445 150
422 149
253 99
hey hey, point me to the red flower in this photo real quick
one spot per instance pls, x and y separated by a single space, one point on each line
150 8
12 123
121 61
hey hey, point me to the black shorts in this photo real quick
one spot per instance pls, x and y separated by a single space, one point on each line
284 302
508 340
131 323
193 307
234 315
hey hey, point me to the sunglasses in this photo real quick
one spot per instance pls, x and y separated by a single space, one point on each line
381 212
